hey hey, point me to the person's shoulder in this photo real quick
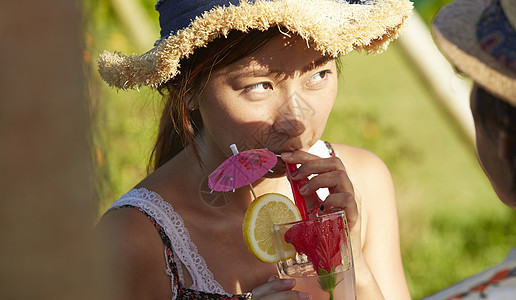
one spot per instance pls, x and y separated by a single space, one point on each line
129 228
131 244
359 159
369 174
129 241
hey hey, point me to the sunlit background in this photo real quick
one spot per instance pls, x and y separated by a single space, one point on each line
452 224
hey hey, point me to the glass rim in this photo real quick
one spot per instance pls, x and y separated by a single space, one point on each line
338 212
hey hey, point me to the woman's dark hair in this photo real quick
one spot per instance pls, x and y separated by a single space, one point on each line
178 125
496 115
493 112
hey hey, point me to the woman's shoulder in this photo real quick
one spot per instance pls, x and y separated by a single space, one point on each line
129 240
370 176
129 220
142 210
360 160
127 226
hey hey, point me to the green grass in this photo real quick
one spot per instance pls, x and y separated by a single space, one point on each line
452 224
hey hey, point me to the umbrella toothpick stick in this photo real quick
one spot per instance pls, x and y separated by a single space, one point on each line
252 191
234 149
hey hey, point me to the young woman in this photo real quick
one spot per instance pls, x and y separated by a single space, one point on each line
260 74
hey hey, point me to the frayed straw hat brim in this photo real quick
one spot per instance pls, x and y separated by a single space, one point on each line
454 30
334 28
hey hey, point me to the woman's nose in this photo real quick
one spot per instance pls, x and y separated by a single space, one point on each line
292 115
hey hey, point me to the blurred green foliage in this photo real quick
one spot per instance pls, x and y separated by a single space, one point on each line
452 225
428 8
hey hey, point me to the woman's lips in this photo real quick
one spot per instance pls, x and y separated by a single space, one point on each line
278 153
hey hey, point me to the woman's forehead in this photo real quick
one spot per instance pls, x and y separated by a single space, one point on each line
282 55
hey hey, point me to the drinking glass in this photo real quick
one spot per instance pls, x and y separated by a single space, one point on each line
316 252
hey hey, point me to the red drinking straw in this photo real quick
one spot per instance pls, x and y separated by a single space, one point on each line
299 200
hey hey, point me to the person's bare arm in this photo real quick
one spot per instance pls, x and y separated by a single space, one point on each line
134 255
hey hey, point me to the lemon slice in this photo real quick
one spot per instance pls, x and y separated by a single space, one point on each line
268 209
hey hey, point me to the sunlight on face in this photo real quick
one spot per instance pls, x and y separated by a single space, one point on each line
277 98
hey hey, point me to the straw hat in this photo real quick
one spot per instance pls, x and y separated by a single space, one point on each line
479 37
335 27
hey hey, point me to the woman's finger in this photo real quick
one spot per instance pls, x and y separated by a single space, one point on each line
298 157
278 289
312 165
274 285
345 201
319 166
337 181
286 295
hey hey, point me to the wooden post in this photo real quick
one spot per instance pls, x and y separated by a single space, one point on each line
47 196
451 91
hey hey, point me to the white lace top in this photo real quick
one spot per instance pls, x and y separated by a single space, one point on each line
185 251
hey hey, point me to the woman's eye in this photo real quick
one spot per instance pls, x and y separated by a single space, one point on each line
259 87
318 77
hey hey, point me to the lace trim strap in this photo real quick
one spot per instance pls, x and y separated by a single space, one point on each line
174 228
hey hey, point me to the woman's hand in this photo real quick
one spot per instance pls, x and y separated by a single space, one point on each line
278 289
329 173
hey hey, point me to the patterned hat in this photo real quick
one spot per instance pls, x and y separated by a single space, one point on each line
335 27
479 37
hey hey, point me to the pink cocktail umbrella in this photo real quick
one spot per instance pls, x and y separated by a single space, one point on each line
243 168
